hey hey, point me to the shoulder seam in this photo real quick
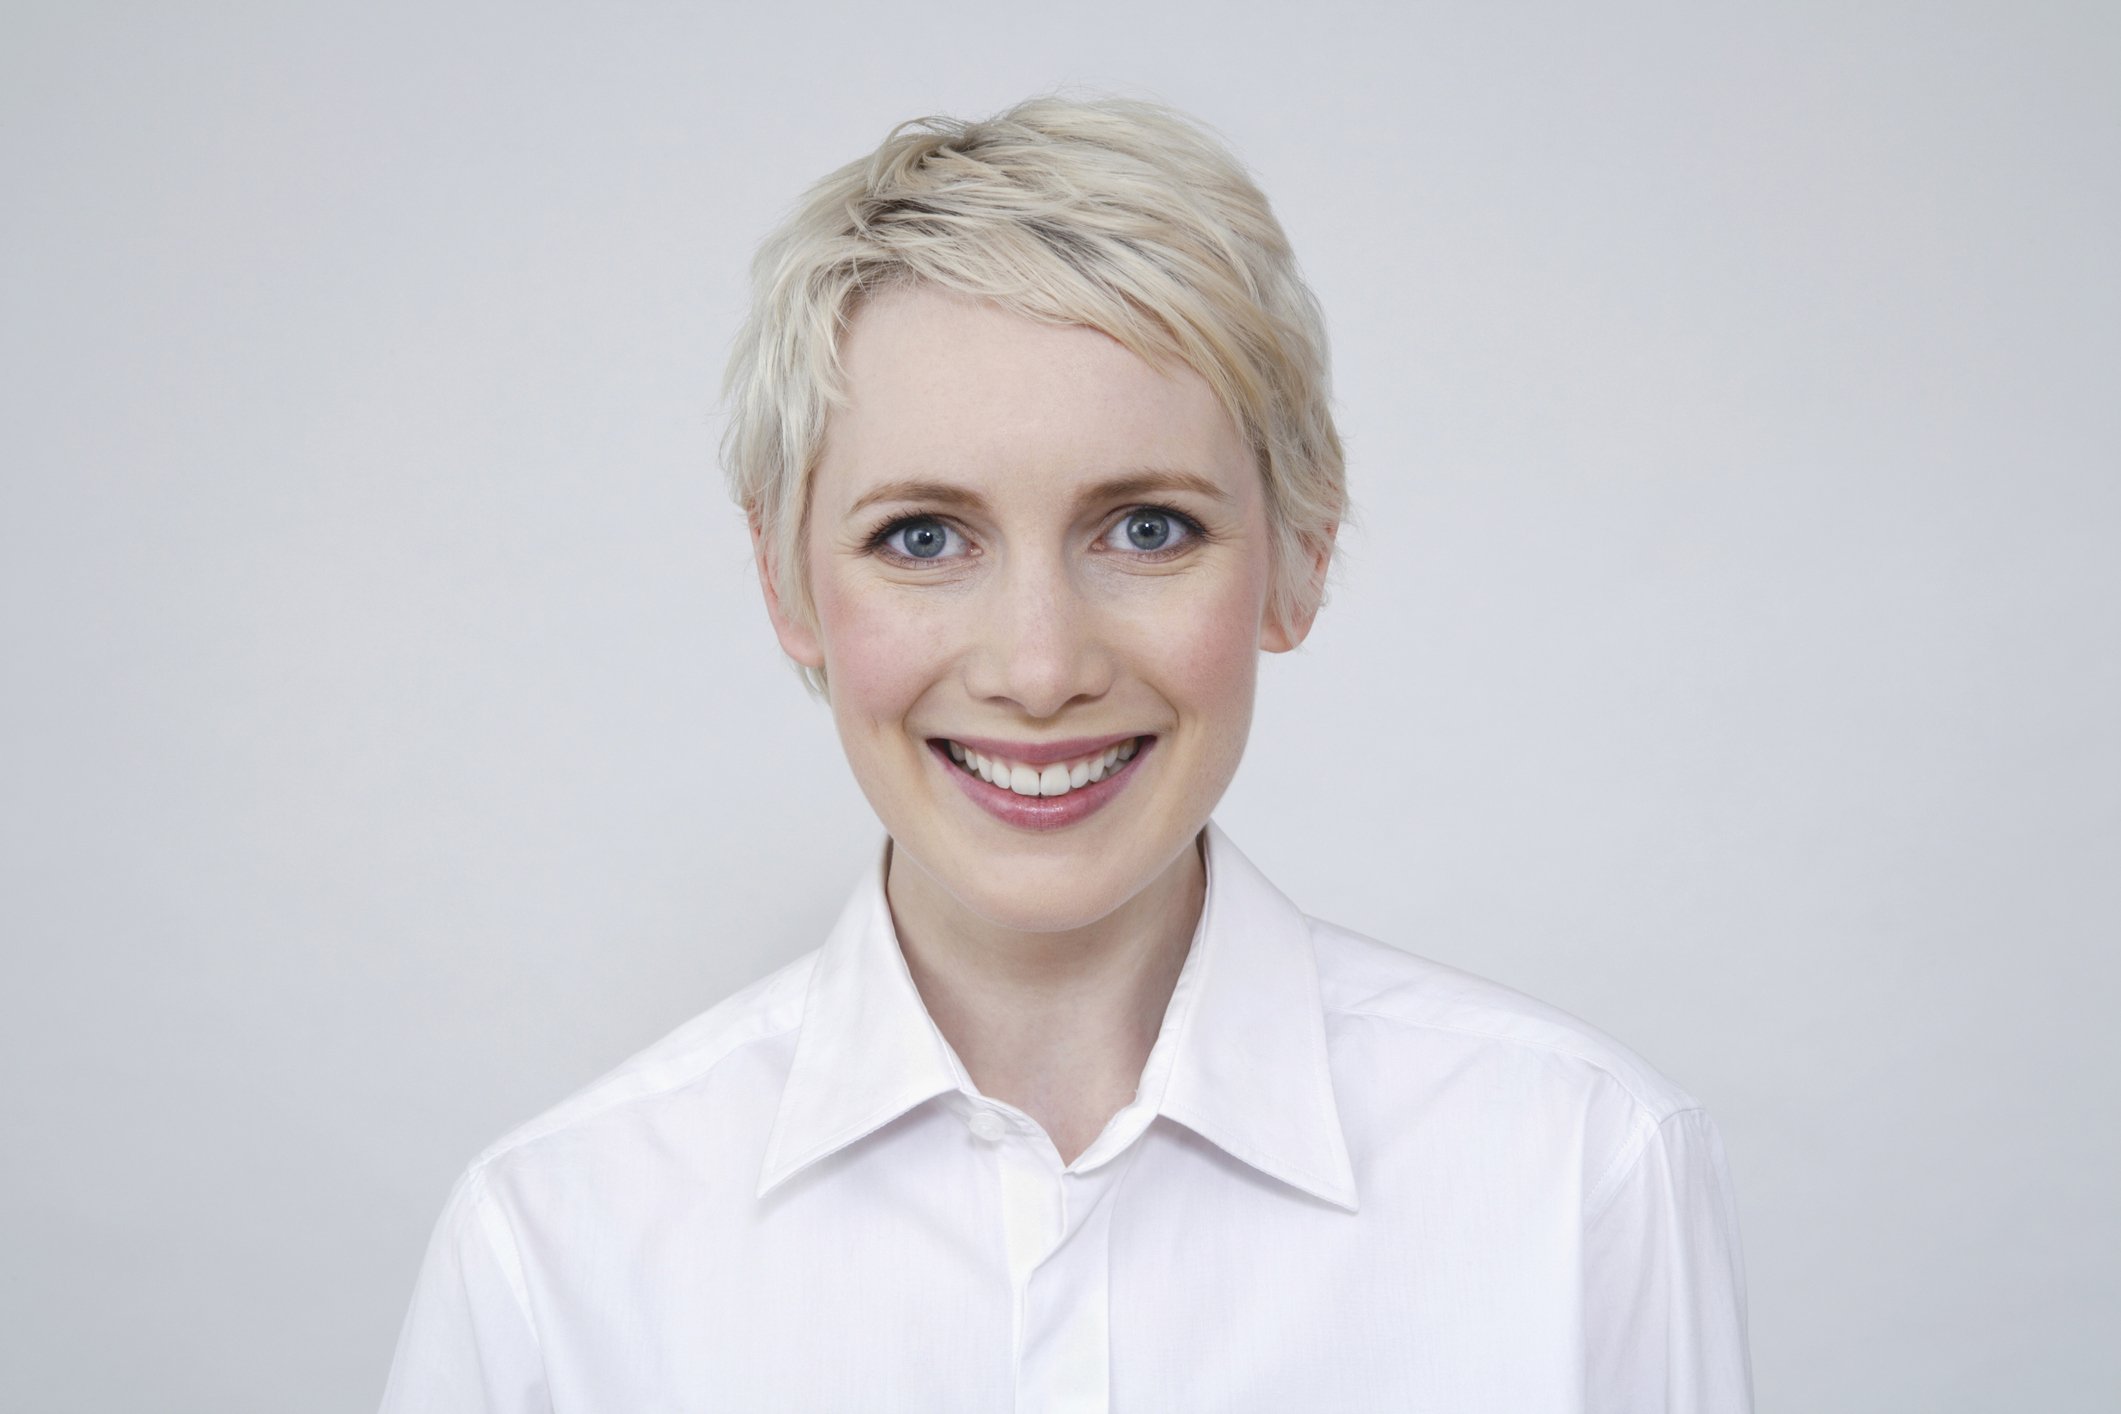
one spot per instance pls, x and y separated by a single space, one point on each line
1556 1048
526 1135
1625 1162
506 1252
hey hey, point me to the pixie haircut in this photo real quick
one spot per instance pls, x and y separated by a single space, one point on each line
1114 214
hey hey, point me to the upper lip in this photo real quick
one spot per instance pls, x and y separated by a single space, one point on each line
1041 753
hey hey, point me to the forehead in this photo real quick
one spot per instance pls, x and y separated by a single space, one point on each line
940 384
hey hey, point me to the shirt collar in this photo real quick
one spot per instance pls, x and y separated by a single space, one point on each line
1240 1058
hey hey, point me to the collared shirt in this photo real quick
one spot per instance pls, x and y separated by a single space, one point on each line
1350 1179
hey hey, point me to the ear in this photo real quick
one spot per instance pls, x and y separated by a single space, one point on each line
1278 637
798 640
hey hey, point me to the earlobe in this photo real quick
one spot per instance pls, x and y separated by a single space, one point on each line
798 639
1278 637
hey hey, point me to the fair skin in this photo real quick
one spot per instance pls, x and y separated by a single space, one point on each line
979 574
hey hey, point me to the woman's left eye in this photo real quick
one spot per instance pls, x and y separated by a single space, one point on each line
1149 530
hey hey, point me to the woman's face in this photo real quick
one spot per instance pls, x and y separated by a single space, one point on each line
1028 548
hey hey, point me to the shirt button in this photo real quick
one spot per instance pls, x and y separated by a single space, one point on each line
988 1125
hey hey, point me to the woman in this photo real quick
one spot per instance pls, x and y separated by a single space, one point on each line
1073 1110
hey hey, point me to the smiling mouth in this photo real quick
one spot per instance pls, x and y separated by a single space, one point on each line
1057 779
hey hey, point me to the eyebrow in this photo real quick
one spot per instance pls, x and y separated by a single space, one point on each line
1147 482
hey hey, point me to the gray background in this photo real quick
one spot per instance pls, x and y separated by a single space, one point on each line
391 739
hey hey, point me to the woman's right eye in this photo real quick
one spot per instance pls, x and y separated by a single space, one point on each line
921 538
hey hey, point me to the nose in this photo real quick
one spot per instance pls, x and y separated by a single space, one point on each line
1042 643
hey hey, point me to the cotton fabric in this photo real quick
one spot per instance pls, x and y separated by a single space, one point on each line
1350 1179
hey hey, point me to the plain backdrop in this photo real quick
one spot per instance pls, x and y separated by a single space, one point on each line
391 739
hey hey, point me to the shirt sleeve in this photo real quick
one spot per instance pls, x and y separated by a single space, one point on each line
468 1345
1664 1281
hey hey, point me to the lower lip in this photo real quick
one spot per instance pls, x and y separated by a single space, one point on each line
1043 812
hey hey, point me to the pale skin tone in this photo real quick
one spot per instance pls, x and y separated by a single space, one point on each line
978 569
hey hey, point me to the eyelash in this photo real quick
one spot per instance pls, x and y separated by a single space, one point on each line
878 540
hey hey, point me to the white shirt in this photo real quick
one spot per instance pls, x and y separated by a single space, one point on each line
1350 1179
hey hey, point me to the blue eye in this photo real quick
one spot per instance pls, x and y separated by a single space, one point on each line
1151 529
916 538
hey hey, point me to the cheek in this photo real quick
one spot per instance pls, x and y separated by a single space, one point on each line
880 652
1206 646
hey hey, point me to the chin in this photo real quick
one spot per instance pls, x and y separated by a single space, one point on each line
1007 911
1033 890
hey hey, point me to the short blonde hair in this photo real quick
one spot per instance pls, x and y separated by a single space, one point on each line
1111 213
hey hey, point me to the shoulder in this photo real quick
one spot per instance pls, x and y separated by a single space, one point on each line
1363 981
713 1047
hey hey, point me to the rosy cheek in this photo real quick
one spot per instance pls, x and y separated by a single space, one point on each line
1202 648
1223 647
879 658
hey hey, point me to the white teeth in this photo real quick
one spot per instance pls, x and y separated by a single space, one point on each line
1056 779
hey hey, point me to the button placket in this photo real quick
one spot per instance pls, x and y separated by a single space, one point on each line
1064 1317
1028 1194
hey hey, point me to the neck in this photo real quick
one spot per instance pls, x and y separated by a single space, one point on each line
1057 1024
